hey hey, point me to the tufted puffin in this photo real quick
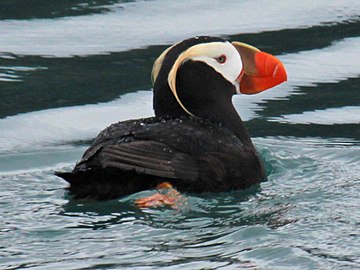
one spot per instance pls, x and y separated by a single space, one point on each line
196 142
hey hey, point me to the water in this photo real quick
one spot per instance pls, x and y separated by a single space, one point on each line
69 69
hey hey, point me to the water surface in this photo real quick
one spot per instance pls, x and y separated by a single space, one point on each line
69 69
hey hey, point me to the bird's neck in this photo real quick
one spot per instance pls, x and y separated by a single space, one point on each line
222 113
228 117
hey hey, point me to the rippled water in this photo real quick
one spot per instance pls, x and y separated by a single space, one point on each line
69 69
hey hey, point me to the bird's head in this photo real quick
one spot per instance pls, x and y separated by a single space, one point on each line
200 75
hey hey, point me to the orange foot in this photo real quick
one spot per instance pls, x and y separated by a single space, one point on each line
170 198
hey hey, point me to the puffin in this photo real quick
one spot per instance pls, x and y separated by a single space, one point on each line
196 142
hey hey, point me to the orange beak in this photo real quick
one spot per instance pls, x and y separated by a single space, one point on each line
261 70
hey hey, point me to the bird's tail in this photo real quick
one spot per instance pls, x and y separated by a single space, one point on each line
69 177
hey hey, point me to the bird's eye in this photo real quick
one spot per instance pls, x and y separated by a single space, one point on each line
221 59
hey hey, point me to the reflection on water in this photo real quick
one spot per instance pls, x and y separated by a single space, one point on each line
61 82
147 23
31 9
70 68
346 115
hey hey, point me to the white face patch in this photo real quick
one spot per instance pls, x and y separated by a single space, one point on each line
223 58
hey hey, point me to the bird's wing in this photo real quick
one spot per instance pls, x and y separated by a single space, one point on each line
147 157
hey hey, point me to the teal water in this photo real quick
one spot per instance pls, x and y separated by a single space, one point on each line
68 70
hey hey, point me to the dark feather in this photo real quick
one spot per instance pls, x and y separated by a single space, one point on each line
193 154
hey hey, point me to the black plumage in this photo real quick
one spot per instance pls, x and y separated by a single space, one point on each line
211 152
195 155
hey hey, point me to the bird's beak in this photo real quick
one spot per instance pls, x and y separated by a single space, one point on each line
261 70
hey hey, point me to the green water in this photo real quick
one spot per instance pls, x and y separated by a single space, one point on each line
69 69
